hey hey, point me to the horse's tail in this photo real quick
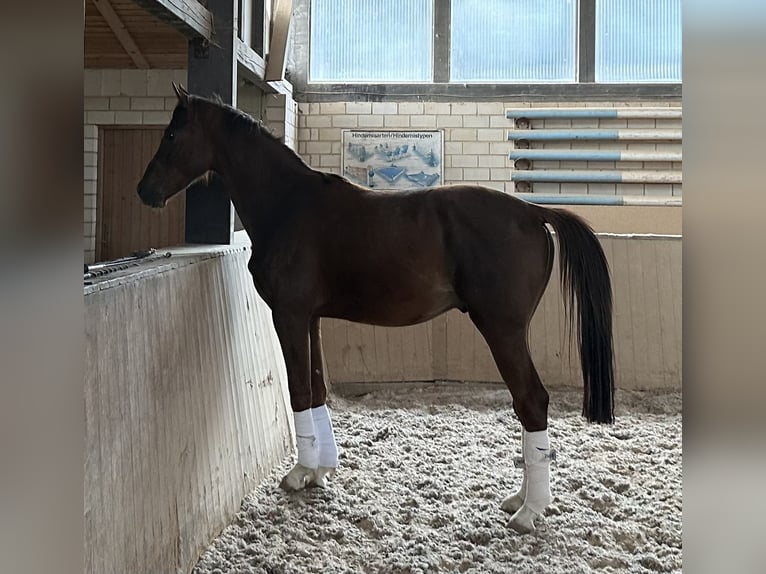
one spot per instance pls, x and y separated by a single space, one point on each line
587 294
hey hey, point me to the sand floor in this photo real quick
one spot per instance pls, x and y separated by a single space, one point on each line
424 470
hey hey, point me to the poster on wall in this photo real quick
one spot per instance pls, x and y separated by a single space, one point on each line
389 159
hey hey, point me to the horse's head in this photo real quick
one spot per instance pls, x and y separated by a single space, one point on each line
185 154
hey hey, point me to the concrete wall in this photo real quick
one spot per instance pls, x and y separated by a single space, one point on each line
185 408
646 275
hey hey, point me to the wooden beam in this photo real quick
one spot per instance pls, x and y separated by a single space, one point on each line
188 16
275 64
121 32
213 71
253 65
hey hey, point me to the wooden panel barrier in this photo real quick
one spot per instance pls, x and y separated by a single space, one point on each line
185 406
646 273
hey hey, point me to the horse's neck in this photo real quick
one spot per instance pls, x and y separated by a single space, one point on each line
260 175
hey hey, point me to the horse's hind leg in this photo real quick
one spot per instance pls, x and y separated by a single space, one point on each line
328 450
508 342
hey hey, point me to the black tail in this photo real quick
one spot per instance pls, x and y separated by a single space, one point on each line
588 298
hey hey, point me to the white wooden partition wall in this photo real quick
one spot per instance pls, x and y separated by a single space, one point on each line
185 406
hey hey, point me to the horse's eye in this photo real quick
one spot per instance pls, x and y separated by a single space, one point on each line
171 135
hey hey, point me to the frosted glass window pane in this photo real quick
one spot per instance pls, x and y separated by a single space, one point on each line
371 41
513 41
638 40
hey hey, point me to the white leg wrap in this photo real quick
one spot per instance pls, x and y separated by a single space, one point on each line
328 449
537 458
305 438
512 503
522 493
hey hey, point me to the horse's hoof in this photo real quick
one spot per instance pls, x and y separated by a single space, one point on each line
297 479
523 521
512 503
322 475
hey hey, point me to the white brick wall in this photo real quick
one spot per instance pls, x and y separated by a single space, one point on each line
281 116
475 139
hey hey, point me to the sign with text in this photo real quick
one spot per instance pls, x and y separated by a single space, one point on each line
390 159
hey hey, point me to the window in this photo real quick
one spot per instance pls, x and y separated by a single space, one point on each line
492 42
371 41
638 41
514 41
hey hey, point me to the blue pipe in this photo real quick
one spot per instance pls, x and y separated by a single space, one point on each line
593 155
595 176
600 200
603 113
595 134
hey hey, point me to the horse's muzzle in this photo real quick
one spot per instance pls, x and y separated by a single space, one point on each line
149 197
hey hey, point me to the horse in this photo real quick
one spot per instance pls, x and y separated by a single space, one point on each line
323 246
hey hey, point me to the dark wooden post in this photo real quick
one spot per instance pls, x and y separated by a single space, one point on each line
213 70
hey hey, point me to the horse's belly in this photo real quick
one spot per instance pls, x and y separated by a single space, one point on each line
394 310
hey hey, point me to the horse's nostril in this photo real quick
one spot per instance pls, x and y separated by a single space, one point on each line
148 197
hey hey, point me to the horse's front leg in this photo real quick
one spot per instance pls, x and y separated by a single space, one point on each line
293 333
328 449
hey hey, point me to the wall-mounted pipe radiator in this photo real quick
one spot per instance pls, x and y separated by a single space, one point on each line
543 136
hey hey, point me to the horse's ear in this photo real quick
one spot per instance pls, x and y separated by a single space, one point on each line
183 95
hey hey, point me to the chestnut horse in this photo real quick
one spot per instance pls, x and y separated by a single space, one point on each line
325 247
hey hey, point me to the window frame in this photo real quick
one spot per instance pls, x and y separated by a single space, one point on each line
441 88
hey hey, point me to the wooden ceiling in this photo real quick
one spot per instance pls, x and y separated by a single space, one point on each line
141 41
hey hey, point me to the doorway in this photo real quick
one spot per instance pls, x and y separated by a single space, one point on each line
123 223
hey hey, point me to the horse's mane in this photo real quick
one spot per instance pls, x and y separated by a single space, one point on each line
239 120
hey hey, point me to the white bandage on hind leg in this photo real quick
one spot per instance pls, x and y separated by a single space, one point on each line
305 437
537 458
328 449
516 500
522 493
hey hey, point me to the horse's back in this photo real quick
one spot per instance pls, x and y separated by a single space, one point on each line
444 227
422 252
